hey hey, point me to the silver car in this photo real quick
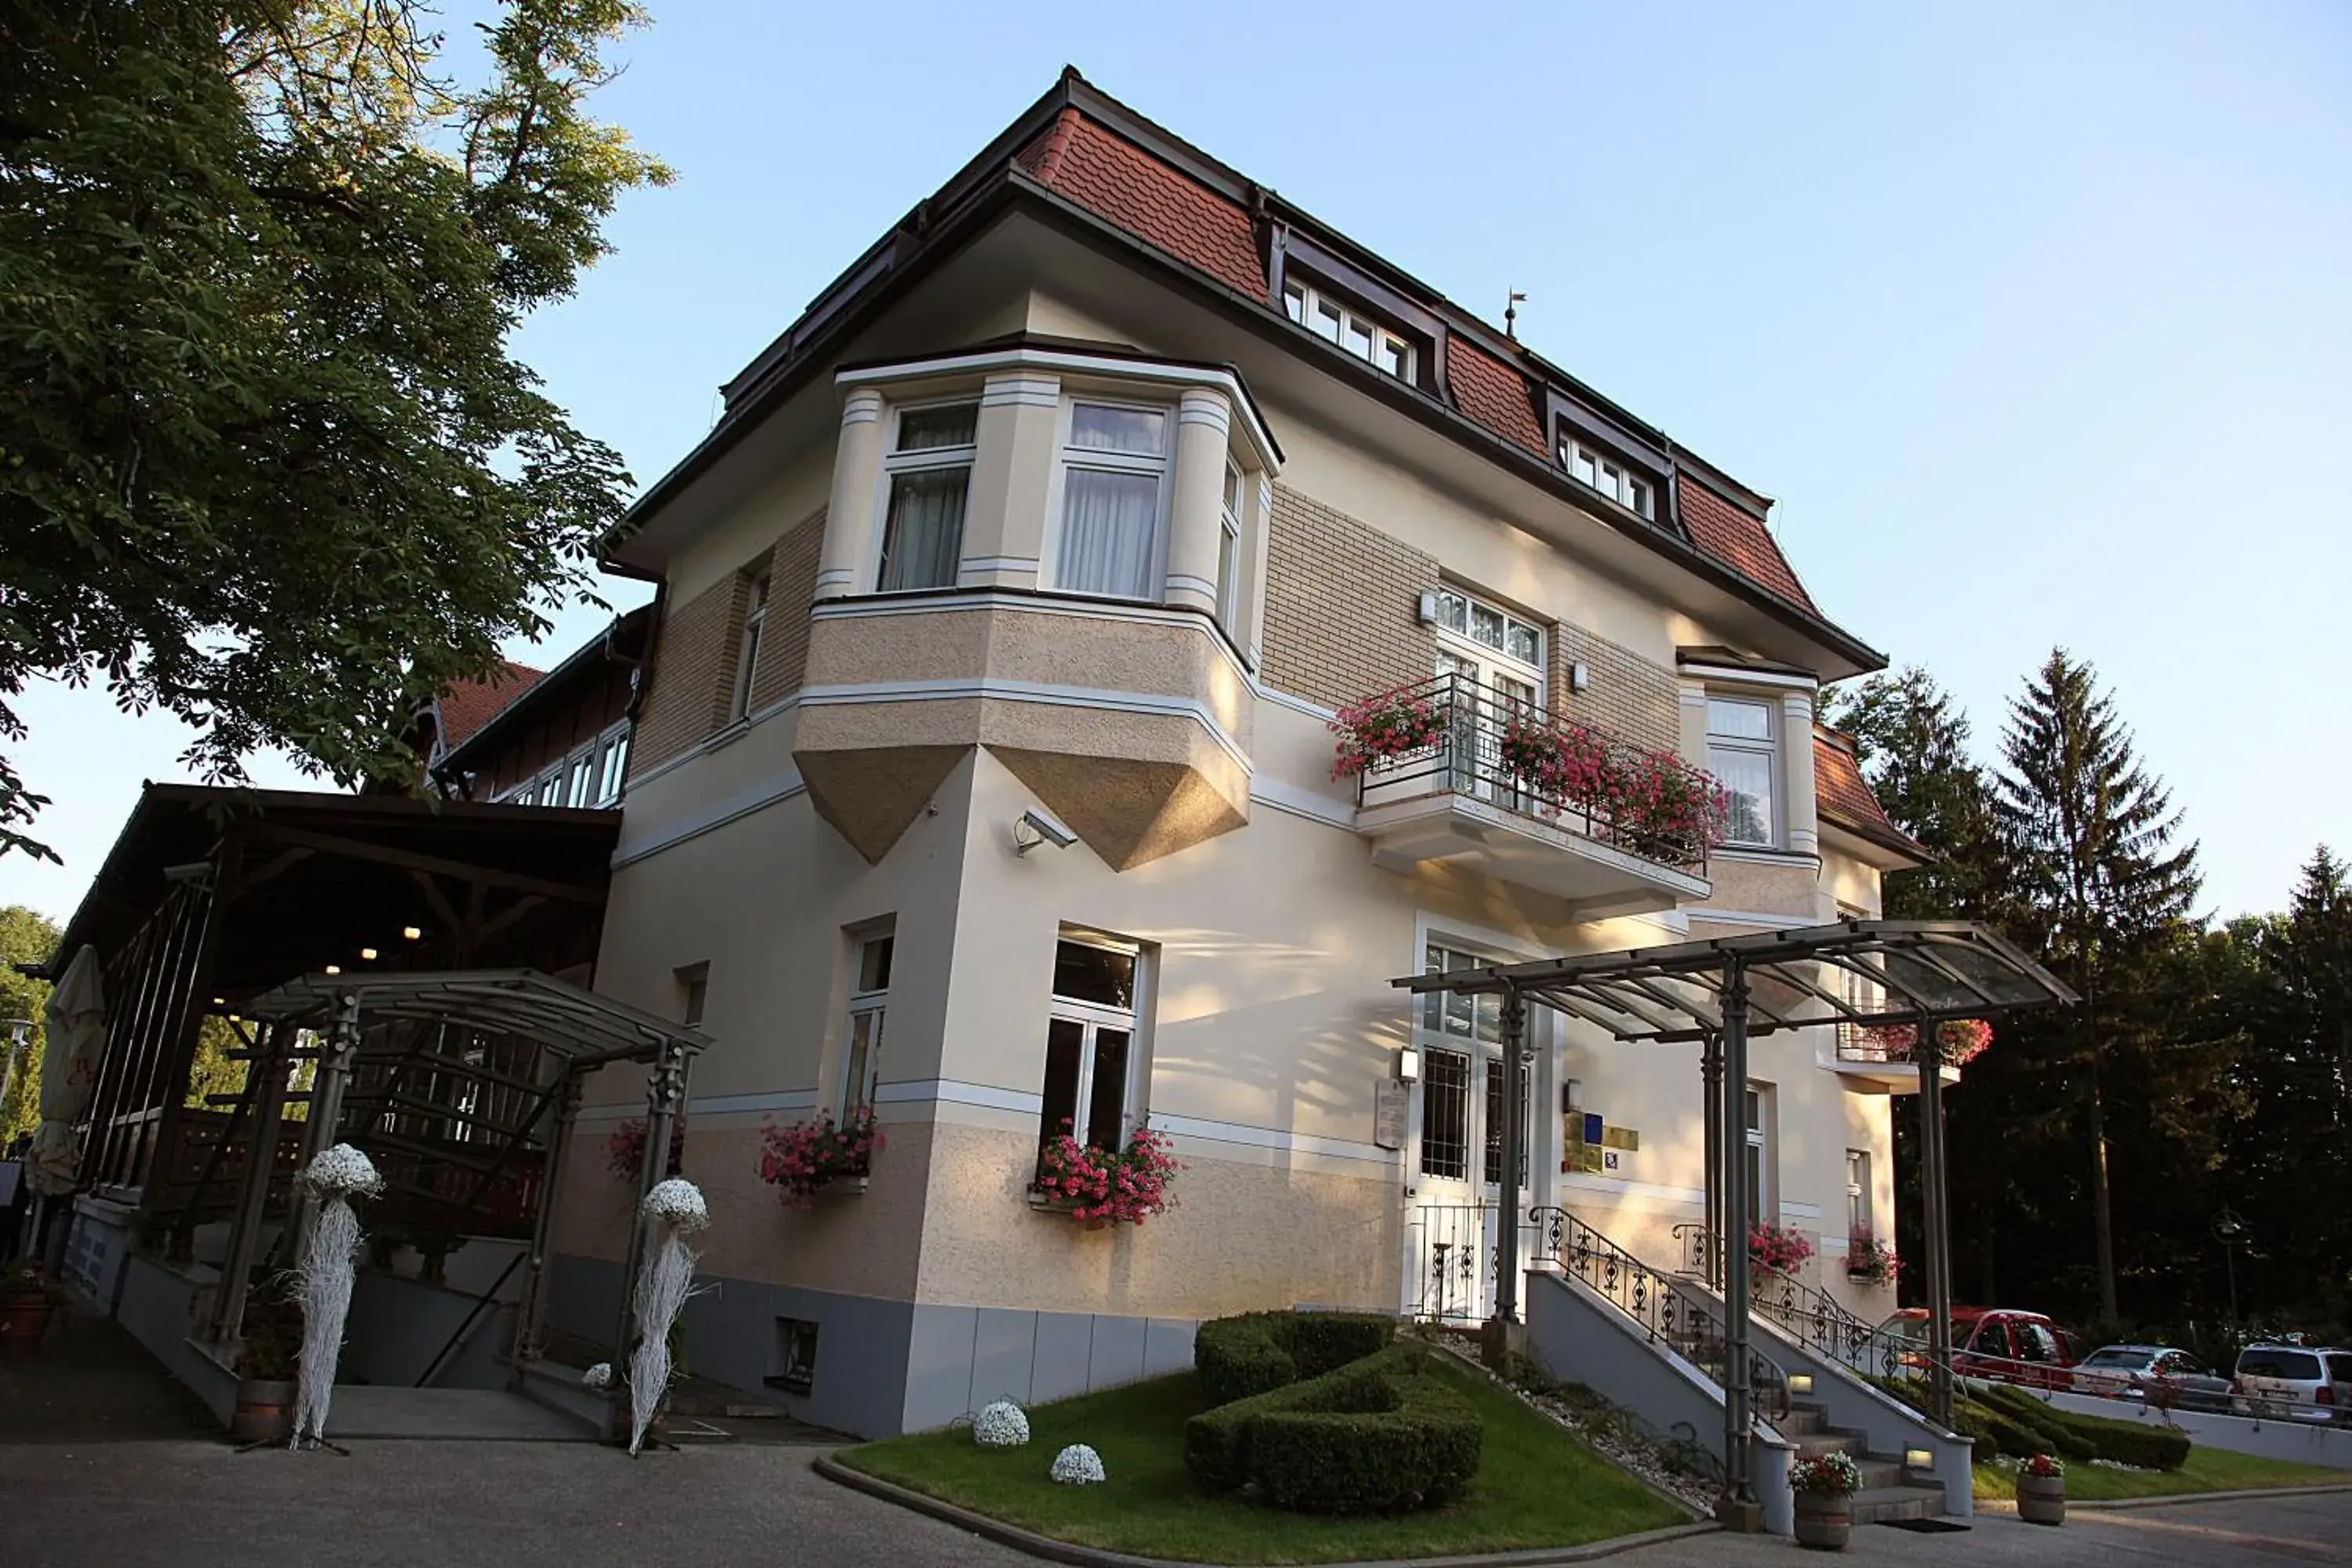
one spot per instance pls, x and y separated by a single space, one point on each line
2294 1382
2173 1378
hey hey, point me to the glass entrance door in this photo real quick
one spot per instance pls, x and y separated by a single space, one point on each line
1458 1183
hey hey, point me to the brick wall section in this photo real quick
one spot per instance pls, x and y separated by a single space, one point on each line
1632 698
1342 605
693 667
792 590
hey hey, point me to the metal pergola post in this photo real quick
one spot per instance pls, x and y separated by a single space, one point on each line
1927 1051
338 1050
1506 1223
533 1308
265 1079
1737 1505
1710 1067
665 1100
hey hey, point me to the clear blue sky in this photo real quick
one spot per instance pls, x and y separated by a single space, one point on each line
2037 319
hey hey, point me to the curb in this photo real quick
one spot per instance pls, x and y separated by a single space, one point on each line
2175 1500
1053 1551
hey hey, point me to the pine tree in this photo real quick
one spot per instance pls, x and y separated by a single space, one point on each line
2091 838
1913 741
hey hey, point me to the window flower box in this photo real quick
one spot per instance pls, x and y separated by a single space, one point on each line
1099 1188
1396 723
811 1157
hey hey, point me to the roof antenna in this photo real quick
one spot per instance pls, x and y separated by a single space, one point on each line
1511 315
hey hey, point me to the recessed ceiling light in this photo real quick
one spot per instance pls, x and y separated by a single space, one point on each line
368 954
411 933
334 969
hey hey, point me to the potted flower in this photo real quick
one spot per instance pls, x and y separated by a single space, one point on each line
1779 1249
2042 1490
1869 1262
625 1150
27 1302
1393 724
1823 1484
270 1344
1101 1186
804 1159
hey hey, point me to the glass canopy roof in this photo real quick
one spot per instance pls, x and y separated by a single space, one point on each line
1871 973
586 1028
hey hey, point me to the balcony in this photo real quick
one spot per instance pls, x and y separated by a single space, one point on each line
1450 771
1874 1065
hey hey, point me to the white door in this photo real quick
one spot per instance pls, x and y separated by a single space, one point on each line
1451 1241
1497 660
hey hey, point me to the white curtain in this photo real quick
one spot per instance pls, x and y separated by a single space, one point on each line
1110 528
922 543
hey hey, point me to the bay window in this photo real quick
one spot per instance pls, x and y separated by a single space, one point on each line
1093 1076
1743 753
930 473
1229 553
1113 490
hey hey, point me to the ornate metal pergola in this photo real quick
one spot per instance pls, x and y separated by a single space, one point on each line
1873 974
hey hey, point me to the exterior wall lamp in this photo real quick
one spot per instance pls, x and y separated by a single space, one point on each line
1918 1459
1408 1065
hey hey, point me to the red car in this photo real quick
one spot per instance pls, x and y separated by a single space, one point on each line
1999 1344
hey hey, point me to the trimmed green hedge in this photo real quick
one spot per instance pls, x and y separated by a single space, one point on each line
1379 1434
2006 1419
1260 1351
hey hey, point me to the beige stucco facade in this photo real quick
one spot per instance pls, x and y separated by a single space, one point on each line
883 793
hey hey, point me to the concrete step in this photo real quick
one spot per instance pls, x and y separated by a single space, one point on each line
557 1387
1881 1473
1799 1421
1876 1505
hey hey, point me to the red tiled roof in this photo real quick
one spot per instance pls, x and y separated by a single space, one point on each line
1102 171
1492 394
1739 540
468 705
1114 179
1844 796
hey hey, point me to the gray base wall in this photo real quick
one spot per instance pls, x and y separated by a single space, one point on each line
398 1325
160 1305
883 1366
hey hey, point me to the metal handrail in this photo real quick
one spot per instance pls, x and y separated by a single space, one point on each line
1478 741
465 1329
1664 1304
1815 1320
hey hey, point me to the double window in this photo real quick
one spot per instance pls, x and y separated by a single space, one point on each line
1092 1072
930 470
1605 474
1114 500
1369 340
1744 754
590 776
869 1002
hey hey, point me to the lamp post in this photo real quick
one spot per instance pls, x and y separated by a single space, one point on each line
2231 1232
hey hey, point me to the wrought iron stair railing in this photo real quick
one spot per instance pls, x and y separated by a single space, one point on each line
1662 1304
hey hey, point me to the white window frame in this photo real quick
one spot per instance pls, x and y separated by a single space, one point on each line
1757 1115
865 1006
606 759
1163 467
1612 477
1486 1057
1768 747
895 462
747 655
1092 1017
1231 500
1857 1197
1471 645
1302 302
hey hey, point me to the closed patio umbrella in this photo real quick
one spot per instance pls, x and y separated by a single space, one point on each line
76 1035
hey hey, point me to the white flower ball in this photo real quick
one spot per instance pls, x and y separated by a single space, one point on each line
1000 1425
599 1376
343 1172
1078 1466
678 1203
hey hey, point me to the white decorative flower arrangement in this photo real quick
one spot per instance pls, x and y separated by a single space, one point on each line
597 1377
678 1203
343 1172
1002 1424
1078 1466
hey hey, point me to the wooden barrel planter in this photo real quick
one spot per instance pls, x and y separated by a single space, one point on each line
1824 1520
264 1411
2042 1500
24 1319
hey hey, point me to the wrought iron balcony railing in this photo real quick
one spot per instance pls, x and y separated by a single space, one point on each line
1455 734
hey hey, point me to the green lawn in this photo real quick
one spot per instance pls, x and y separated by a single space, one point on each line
2206 1470
1537 1486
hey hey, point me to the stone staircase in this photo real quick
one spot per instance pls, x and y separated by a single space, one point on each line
1888 1489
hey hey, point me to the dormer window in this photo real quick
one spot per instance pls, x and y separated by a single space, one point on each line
1373 341
1606 474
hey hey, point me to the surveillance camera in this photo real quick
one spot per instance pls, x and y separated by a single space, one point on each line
1035 827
